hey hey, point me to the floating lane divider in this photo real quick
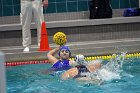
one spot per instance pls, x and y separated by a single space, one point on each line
26 62
108 57
89 58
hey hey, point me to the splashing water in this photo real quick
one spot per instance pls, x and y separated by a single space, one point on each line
112 69
115 63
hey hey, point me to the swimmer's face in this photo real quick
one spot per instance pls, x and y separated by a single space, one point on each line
64 54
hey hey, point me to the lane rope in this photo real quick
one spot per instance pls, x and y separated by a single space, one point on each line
89 58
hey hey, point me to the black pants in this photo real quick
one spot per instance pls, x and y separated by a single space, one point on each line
100 9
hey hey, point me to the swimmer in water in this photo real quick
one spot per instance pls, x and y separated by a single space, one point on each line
82 70
63 63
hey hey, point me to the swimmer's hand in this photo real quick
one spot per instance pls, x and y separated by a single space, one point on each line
45 3
73 63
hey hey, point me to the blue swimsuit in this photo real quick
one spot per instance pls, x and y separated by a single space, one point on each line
61 65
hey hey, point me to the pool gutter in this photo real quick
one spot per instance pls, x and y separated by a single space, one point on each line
88 48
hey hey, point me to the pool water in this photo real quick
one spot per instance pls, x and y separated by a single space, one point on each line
30 79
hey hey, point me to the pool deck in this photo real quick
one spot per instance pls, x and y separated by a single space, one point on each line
88 48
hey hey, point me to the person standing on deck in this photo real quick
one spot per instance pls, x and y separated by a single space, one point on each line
31 8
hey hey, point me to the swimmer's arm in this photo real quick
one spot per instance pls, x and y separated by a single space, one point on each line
51 54
69 73
84 78
94 67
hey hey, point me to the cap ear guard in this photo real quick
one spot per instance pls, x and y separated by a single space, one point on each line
79 59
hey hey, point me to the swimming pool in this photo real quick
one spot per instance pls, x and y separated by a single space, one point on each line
30 79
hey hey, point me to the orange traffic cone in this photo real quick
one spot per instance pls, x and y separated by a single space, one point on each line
44 44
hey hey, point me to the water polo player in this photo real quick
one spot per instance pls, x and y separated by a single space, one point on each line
82 70
63 63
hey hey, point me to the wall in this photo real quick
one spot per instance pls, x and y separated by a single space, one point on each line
12 7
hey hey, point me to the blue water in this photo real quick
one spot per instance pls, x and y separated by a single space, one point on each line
30 79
